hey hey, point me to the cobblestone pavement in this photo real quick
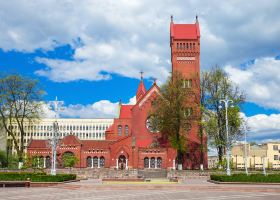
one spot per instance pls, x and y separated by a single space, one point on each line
192 190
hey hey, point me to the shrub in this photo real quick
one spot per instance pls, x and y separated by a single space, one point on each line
35 177
271 178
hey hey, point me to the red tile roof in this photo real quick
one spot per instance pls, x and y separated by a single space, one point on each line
70 140
140 91
93 144
184 31
125 111
38 144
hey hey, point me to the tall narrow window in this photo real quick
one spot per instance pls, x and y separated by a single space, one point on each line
190 45
126 130
187 46
119 130
187 83
177 45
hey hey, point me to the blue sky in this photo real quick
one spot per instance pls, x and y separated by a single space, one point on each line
89 53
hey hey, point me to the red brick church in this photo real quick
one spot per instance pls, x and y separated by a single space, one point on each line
129 142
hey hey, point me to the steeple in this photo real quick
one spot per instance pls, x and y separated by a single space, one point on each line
141 88
196 19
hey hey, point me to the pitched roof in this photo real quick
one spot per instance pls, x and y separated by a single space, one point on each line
140 91
70 140
89 144
38 144
184 31
125 111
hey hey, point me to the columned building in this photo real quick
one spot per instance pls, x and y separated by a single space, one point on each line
129 141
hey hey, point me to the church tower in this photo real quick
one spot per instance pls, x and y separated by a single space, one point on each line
185 49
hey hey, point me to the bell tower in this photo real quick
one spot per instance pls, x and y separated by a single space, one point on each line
185 48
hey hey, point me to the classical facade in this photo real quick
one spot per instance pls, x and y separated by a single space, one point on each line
258 156
129 141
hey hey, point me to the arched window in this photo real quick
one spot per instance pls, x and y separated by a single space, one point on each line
48 162
88 161
119 130
152 162
102 161
187 45
95 161
146 162
180 45
190 45
126 130
159 162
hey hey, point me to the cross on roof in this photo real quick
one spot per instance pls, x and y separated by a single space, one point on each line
141 74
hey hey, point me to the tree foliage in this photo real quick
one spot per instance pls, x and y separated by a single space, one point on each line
216 85
174 111
20 105
69 160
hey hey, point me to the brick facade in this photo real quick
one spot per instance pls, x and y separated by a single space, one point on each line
129 144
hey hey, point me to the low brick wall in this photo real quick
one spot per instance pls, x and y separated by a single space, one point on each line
183 174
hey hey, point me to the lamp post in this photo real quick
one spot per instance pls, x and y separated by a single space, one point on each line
245 149
56 106
227 102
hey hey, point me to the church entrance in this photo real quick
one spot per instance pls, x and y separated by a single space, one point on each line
122 162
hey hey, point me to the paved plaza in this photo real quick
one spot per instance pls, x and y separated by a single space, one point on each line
93 189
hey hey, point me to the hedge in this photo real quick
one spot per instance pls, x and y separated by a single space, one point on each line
257 178
35 177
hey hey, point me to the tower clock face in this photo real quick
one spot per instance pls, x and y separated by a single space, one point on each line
149 125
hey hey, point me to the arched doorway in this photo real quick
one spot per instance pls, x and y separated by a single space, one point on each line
122 162
95 161
146 162
159 162
102 161
48 162
89 161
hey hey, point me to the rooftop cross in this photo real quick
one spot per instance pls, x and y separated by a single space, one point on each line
141 75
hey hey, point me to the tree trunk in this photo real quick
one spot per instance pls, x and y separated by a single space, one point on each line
180 159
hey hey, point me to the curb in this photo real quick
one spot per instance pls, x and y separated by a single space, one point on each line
244 183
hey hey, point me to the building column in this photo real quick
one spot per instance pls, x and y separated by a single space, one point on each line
44 162
98 163
126 163
117 163
174 166
149 163
155 163
38 162
91 162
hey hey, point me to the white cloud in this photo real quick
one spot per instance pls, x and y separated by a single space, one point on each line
125 37
100 109
263 127
260 81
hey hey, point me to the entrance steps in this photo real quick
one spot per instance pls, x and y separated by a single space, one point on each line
152 173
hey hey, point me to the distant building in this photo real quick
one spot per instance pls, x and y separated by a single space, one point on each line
84 129
212 162
257 155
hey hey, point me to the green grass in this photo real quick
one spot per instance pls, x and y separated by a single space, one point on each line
35 177
254 178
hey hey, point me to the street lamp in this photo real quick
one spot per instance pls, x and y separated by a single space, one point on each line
245 149
227 102
56 106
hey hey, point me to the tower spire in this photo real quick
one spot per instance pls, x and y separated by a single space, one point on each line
141 75
196 19
171 18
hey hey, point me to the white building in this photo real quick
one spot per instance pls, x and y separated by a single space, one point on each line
84 129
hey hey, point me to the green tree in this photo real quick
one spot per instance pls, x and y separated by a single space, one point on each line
3 159
69 160
21 106
216 86
174 110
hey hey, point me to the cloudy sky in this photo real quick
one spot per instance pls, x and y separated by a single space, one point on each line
89 52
